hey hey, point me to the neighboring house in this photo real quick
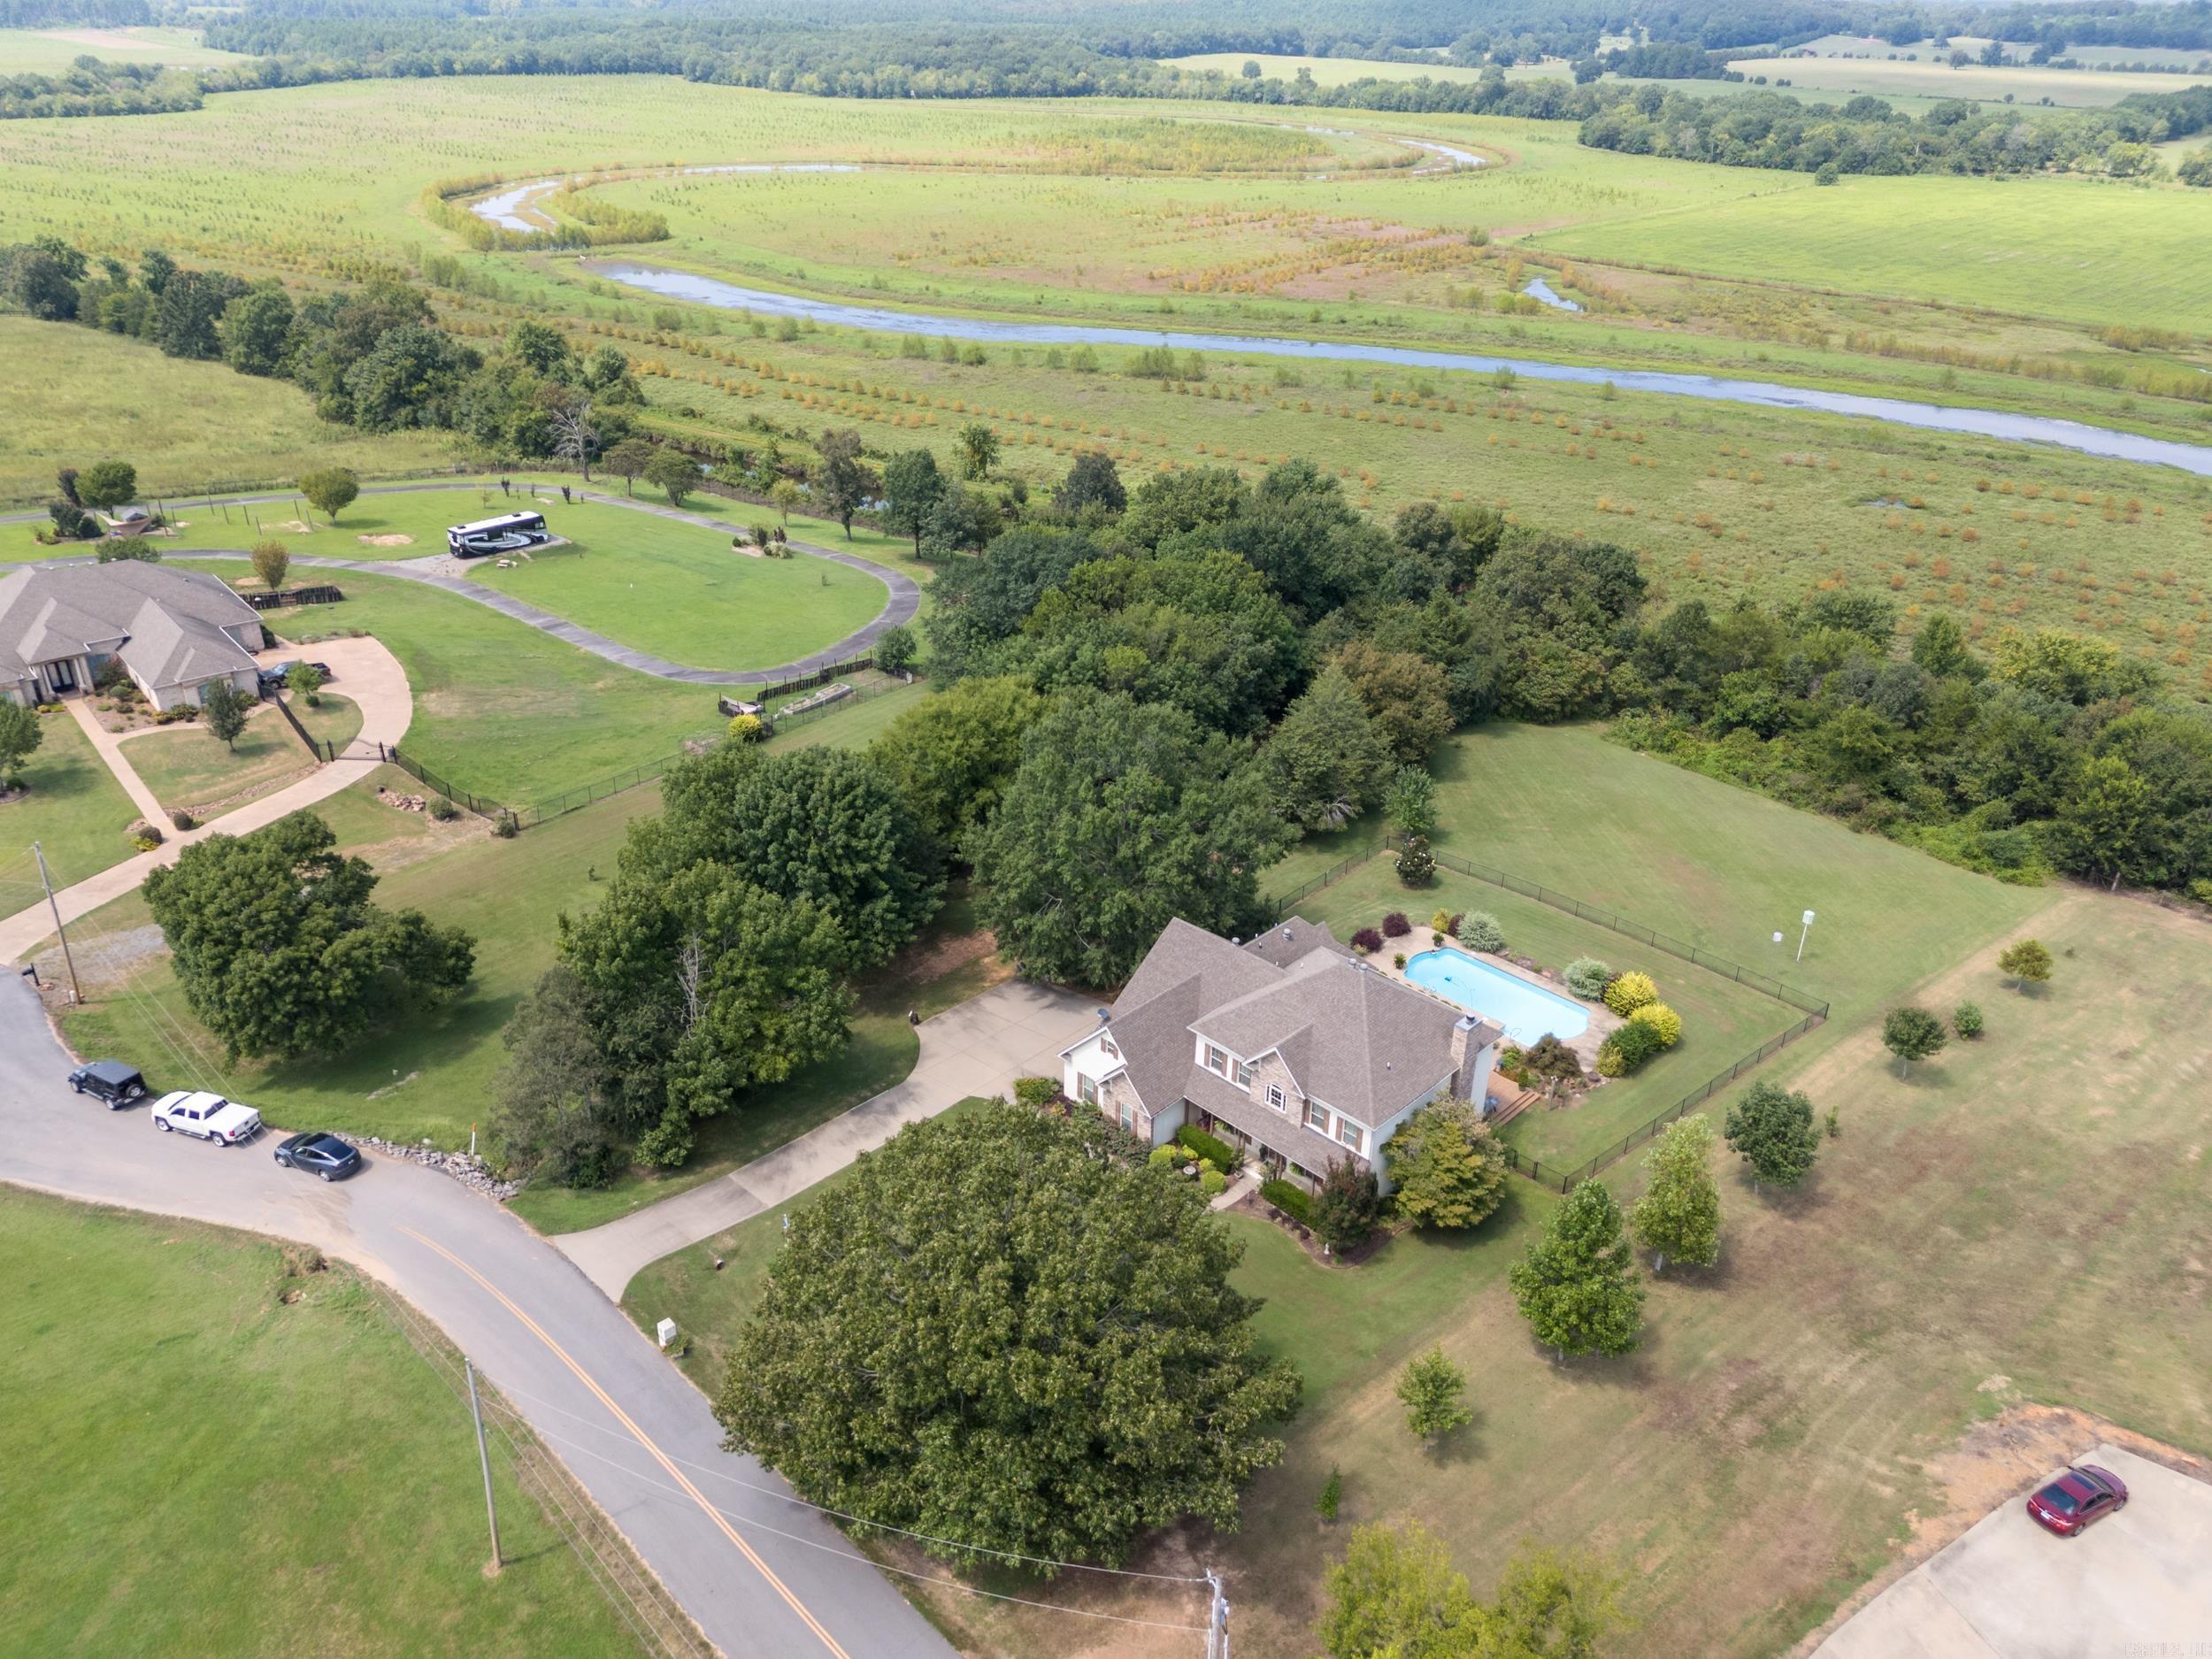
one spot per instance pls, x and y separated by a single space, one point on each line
174 631
1290 1046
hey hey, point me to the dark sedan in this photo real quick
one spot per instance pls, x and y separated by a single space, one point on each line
2082 1495
318 1154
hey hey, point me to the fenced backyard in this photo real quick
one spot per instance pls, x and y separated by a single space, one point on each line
1561 1174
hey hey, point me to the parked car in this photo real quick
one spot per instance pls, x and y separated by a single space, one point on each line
115 1081
274 676
2081 1496
318 1154
207 1115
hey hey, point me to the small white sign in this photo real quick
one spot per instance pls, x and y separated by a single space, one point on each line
666 1331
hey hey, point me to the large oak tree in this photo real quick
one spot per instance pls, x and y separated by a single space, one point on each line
999 1332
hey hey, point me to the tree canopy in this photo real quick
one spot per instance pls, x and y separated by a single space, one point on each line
1678 1216
997 1331
1121 817
1576 1286
1772 1129
1448 1168
279 949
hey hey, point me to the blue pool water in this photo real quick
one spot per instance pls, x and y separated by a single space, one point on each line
1526 1011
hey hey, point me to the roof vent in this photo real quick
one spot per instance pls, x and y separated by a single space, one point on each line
1286 933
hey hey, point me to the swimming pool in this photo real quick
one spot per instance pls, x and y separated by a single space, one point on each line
1526 1011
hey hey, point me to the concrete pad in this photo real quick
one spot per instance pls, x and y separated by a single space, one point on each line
2137 1583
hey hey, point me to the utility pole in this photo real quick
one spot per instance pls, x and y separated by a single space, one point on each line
76 991
1217 1618
484 1462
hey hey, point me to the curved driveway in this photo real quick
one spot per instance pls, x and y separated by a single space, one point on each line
905 597
764 1577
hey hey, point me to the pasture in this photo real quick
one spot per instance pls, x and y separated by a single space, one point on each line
1322 71
271 1526
76 395
1930 75
50 51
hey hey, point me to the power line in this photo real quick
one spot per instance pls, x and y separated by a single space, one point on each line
861 1520
864 1561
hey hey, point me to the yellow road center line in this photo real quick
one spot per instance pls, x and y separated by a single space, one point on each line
644 1440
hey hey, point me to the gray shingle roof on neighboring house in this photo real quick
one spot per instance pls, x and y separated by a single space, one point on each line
174 620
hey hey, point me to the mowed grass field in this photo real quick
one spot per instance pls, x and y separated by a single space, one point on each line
73 807
50 52
1767 1446
207 1451
2054 247
1931 76
76 396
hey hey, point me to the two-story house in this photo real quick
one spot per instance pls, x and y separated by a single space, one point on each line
1287 1045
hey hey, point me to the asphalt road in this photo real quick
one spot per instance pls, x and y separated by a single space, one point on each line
763 1575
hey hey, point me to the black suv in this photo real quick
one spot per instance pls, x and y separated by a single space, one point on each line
111 1080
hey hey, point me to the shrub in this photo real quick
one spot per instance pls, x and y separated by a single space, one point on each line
181 818
1628 1049
1212 1147
1416 865
145 843
507 828
895 649
442 809
146 833
1586 977
1663 1020
1036 1093
1161 1157
1287 1196
1396 925
1212 1182
1367 940
1966 1019
1629 992
1350 1207
1550 1057
668 1144
747 728
1399 961
1441 922
1479 930
1332 1496
1454 920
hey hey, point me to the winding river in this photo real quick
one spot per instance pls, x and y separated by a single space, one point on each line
1985 423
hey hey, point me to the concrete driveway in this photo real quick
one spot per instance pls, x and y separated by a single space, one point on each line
366 672
979 1047
765 1578
2139 1583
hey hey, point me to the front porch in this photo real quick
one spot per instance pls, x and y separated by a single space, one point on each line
1275 1163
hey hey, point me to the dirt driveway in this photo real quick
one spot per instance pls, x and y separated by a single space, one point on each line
2139 1584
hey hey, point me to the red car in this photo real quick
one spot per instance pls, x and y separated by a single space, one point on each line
2082 1493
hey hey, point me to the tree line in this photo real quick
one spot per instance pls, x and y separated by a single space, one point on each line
371 353
1867 134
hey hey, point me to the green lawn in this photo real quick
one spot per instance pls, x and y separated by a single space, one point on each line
204 1454
187 766
74 808
681 593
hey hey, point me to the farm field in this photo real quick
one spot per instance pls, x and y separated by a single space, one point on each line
1772 1439
1931 77
49 51
73 807
142 1515
188 769
76 395
1323 72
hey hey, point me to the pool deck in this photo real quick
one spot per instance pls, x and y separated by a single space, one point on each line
1603 1021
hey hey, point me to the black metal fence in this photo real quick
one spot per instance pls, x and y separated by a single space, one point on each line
1536 1170
1815 1013
819 677
485 809
324 594
318 749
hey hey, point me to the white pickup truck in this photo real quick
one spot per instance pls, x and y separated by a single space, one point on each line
208 1116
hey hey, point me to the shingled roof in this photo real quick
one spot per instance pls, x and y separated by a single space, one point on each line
1364 1043
167 625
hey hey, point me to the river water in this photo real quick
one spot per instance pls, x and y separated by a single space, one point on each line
1985 423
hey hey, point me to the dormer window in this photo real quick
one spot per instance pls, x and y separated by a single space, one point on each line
1110 1049
1217 1060
1275 1097
1243 1074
